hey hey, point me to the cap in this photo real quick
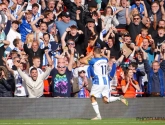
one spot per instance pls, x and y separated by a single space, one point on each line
66 14
81 69
90 20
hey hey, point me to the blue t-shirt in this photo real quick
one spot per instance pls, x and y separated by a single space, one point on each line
61 85
140 8
24 28
61 26
150 55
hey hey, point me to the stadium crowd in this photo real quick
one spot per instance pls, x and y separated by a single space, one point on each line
55 40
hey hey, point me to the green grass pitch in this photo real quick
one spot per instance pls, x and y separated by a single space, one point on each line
79 122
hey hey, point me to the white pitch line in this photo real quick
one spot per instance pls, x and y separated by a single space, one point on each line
65 123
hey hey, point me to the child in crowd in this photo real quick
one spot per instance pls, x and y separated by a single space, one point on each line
140 37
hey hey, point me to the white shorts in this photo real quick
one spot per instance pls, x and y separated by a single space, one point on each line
99 91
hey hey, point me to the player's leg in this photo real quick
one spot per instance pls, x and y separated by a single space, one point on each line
108 98
95 93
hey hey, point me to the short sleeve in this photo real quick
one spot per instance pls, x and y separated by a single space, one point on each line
91 62
123 83
136 83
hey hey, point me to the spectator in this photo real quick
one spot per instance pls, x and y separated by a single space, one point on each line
149 50
121 13
156 85
81 84
76 35
157 11
34 51
73 7
113 43
139 7
20 5
20 86
25 27
50 5
30 6
2 50
109 18
13 34
65 22
18 45
61 78
140 37
129 85
160 36
34 82
5 84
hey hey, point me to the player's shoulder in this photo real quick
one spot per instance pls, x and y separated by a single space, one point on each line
94 60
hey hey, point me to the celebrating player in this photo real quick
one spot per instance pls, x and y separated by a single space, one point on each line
100 80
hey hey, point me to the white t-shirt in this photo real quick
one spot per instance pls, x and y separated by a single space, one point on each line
11 36
20 85
10 63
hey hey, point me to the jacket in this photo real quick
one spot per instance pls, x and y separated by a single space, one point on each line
31 53
5 88
161 75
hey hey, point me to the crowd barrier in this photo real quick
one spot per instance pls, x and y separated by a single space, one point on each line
60 108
